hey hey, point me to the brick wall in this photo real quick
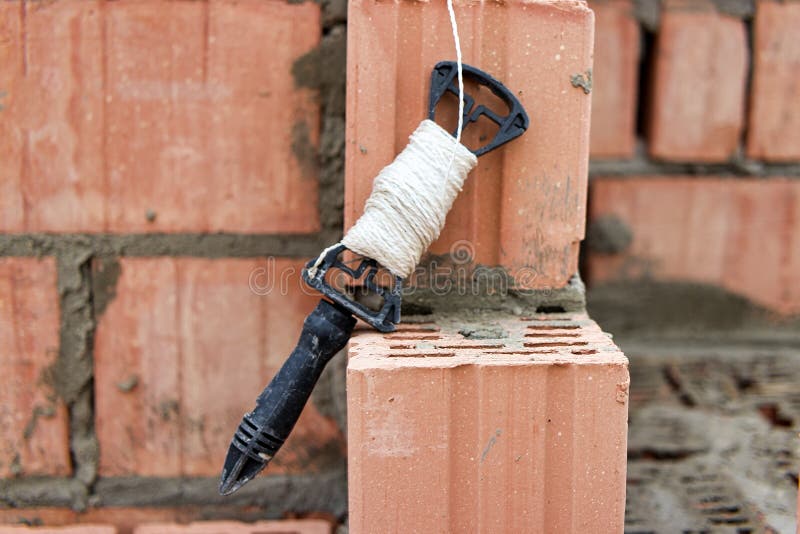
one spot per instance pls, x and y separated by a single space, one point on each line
165 170
696 152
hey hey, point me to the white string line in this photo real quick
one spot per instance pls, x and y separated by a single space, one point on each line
457 42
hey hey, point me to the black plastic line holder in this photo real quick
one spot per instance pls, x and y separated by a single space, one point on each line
385 319
444 78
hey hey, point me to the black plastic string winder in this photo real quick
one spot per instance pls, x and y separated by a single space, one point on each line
328 328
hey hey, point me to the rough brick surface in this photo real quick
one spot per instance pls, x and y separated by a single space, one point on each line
614 79
523 208
70 529
739 234
520 430
33 422
309 526
182 520
122 518
774 129
701 69
182 352
131 117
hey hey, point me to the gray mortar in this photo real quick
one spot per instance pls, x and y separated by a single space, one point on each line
28 492
646 307
151 245
275 495
71 374
608 234
738 166
333 12
322 69
427 301
583 81
743 9
648 13
303 149
105 273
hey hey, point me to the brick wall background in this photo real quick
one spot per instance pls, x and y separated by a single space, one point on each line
154 155
159 161
696 150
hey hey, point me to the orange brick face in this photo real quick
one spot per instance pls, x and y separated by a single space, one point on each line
774 130
309 526
33 422
524 205
698 99
740 234
614 80
182 352
131 117
183 520
522 433
72 529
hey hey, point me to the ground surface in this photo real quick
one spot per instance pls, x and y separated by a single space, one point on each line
713 439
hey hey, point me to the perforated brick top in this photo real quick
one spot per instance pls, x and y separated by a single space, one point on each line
490 338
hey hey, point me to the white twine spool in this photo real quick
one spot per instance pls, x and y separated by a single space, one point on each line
411 196
410 199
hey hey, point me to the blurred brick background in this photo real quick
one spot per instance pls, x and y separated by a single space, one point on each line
155 154
696 148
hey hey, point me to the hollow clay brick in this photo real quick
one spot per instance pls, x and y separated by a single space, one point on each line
156 117
523 207
739 234
698 101
614 80
34 437
523 432
774 128
182 351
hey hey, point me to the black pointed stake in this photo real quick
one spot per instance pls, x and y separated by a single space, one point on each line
263 431
327 329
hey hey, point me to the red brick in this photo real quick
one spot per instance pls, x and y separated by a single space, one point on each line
523 208
37 516
774 129
525 433
308 526
739 234
70 529
614 80
699 86
126 520
122 518
51 130
194 346
33 422
112 110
